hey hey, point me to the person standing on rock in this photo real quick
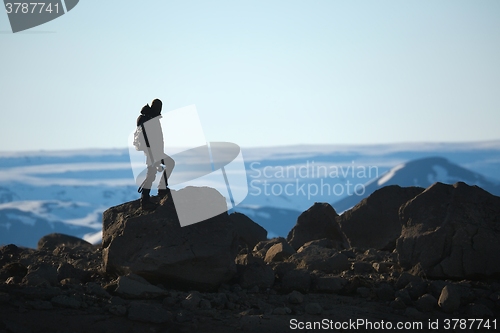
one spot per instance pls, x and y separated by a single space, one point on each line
151 142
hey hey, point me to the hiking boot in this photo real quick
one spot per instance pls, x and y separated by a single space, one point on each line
146 203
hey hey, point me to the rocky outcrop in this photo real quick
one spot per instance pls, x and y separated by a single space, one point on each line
318 222
153 245
374 222
249 232
451 231
66 289
52 241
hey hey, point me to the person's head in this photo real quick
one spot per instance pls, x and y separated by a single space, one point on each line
156 105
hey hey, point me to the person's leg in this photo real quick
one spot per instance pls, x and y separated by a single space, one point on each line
146 202
169 164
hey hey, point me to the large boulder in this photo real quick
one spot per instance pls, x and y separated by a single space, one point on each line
374 222
154 245
318 222
249 232
451 231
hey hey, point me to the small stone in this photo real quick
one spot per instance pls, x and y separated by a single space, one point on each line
426 303
313 309
134 286
295 297
69 282
95 289
381 267
449 300
362 267
416 289
398 304
404 296
192 301
279 252
35 280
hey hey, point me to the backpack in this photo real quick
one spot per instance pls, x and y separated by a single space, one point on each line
140 143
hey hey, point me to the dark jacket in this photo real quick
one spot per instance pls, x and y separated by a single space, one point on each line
154 133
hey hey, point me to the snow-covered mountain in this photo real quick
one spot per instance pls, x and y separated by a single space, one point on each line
67 191
423 173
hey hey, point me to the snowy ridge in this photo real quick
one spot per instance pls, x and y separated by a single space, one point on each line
43 192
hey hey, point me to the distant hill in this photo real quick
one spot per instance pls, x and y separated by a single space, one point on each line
422 172
67 191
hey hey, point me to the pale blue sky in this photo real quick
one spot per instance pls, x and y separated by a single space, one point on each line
261 73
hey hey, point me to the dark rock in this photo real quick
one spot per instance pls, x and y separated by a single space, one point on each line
478 311
4 297
329 284
38 293
362 267
405 278
134 286
253 272
155 246
404 296
35 280
118 310
279 252
40 305
95 289
413 313
295 297
313 309
374 222
449 300
261 248
45 271
364 292
281 268
68 271
451 231
249 232
66 302
318 222
426 303
416 289
398 304
385 292
192 301
52 241
14 269
148 312
382 267
320 258
324 242
297 279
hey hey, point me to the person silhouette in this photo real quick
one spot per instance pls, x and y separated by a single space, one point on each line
156 159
